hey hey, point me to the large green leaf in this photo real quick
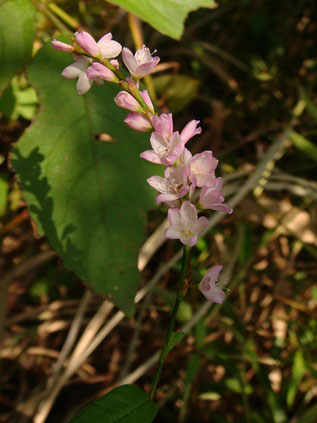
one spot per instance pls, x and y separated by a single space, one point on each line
17 31
126 404
89 197
166 16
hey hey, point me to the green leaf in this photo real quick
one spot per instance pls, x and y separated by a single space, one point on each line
89 197
247 249
192 369
4 188
125 404
176 337
298 371
185 312
311 106
200 333
166 16
18 101
8 103
304 145
235 385
17 31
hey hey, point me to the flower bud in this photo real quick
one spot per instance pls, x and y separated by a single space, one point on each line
126 101
97 70
59 45
138 121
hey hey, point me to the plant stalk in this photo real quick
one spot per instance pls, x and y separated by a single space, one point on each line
180 295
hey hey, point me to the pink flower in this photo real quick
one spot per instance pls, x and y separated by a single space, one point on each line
209 288
138 121
97 70
201 169
173 186
211 198
78 69
185 225
163 124
165 151
105 47
185 157
141 64
190 130
58 45
127 101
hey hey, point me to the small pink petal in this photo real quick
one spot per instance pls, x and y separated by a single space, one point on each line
190 130
185 157
211 198
106 37
138 121
201 168
223 207
163 124
165 197
146 68
147 99
213 273
188 213
202 223
189 241
97 70
87 43
214 294
83 84
129 60
150 156
174 218
209 288
110 49
172 233
72 71
158 183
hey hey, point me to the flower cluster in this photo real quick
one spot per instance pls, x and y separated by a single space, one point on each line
189 185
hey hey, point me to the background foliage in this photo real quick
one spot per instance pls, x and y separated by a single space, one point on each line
247 70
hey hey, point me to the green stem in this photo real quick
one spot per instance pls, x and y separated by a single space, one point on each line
181 290
133 90
51 16
69 20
